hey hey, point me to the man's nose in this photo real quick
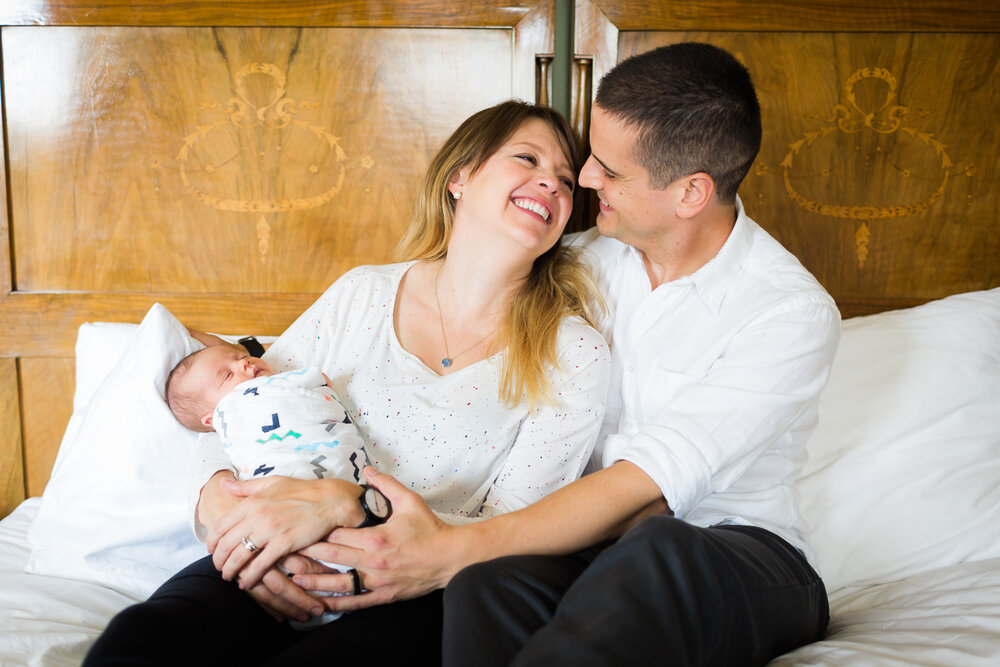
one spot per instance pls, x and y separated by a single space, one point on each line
588 174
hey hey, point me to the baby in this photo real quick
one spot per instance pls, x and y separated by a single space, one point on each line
283 424
287 424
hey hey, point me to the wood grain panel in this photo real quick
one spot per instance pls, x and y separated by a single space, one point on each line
483 13
878 161
45 324
47 395
12 487
225 167
230 160
5 245
799 16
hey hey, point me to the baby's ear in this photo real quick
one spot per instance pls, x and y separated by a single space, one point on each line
206 419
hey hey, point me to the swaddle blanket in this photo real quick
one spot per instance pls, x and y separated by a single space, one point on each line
289 424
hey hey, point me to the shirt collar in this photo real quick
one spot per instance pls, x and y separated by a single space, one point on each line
712 281
714 278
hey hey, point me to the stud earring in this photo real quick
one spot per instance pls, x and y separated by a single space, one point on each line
456 195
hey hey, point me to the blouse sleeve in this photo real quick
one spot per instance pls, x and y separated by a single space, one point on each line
315 334
211 459
555 442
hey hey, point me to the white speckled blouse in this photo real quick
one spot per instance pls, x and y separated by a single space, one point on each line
449 438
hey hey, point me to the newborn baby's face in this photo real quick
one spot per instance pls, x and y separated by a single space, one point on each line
220 368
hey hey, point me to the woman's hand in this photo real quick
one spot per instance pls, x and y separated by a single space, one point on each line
275 593
282 599
278 516
411 554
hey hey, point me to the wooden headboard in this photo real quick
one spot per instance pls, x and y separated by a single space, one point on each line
232 159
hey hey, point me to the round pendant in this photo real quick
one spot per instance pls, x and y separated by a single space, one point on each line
446 362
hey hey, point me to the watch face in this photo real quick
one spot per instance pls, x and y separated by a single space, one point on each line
377 503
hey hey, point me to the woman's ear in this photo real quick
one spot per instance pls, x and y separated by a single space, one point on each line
456 182
699 188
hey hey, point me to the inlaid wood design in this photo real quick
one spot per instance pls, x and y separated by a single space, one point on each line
871 124
879 156
182 152
266 131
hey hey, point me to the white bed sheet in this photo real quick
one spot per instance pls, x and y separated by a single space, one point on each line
949 616
46 621
945 617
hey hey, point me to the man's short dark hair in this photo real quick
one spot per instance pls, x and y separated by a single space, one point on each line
696 111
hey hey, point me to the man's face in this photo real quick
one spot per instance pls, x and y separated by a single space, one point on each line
630 210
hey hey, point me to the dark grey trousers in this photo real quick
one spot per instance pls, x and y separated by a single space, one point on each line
666 593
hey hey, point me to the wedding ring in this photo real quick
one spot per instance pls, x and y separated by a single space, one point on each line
249 545
356 577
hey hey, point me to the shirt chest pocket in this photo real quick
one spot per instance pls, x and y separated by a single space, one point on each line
662 386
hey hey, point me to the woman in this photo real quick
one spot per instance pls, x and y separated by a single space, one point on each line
472 370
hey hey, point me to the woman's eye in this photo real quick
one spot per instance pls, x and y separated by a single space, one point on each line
568 183
528 158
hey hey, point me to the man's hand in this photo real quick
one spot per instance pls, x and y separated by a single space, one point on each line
411 554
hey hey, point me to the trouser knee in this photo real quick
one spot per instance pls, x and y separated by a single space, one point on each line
471 583
661 541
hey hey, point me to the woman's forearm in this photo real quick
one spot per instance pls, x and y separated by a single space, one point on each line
215 502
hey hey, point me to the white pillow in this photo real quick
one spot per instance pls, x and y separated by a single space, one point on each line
115 509
99 346
904 469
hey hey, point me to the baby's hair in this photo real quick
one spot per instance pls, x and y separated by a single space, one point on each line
185 404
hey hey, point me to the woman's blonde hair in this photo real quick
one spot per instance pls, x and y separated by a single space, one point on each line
558 285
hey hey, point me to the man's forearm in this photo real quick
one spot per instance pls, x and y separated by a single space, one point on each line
597 507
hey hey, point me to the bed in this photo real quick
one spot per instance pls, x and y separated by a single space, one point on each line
219 164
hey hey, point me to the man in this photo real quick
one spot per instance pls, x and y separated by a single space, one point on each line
685 546
721 343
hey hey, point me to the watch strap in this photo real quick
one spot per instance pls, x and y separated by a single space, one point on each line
372 519
252 346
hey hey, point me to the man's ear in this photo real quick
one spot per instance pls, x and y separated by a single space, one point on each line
699 188
206 419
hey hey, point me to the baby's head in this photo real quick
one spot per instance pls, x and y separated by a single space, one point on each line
200 380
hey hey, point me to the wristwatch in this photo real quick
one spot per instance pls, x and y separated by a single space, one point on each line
376 506
252 346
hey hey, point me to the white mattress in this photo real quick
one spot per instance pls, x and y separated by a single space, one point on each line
945 617
46 620
949 616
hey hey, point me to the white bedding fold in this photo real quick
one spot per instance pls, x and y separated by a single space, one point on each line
46 621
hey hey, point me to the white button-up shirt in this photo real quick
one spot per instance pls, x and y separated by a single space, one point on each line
716 377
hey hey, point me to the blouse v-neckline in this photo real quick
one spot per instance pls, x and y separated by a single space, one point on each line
395 336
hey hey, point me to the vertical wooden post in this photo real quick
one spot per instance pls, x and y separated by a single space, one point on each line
12 489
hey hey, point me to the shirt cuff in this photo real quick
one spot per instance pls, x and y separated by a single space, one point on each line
683 480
